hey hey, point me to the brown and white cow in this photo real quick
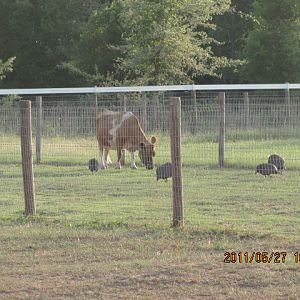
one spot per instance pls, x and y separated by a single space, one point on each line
120 131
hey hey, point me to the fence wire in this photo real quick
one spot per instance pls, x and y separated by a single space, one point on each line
255 127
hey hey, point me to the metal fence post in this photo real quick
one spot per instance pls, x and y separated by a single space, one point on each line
222 130
178 218
26 150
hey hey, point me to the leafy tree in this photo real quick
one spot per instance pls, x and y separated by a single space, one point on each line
96 52
6 66
232 28
41 35
273 46
166 42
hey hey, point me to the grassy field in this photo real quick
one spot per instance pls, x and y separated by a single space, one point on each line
108 235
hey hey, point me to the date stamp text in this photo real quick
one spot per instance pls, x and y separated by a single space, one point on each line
260 257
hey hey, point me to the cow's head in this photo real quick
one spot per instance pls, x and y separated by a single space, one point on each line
146 153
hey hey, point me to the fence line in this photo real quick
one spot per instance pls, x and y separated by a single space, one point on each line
76 121
256 125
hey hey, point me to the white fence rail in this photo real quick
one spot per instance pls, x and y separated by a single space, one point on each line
131 89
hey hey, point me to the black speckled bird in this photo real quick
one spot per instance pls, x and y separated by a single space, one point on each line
164 171
278 161
93 165
266 169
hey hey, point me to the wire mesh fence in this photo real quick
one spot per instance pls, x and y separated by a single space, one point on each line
257 124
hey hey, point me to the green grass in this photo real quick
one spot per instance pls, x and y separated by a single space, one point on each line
108 235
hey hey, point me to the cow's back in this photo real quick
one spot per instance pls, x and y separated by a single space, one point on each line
113 126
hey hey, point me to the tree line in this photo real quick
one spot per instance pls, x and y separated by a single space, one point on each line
68 43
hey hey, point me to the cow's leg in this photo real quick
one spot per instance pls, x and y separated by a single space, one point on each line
132 164
119 156
106 158
102 163
122 161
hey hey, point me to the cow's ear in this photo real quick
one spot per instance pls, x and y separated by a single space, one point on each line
153 140
142 146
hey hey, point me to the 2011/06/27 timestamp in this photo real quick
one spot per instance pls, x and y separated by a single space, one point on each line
259 257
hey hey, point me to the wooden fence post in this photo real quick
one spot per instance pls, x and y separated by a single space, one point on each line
288 103
144 104
178 218
124 102
96 102
39 126
94 117
194 112
26 150
247 109
157 108
222 129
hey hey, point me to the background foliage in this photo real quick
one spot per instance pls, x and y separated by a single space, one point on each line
77 43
